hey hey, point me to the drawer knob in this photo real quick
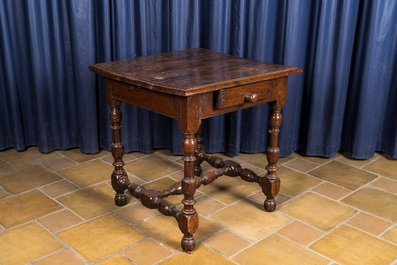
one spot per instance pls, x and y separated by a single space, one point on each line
251 97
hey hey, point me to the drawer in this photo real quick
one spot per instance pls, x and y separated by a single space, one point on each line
158 102
248 94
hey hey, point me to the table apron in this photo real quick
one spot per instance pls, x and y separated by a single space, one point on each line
161 103
170 105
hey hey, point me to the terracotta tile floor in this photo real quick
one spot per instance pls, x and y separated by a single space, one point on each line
58 208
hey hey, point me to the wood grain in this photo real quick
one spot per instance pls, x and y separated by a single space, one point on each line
190 72
189 86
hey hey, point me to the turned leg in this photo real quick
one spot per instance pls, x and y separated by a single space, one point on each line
199 159
117 151
188 219
271 183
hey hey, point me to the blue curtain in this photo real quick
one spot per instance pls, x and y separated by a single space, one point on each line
346 98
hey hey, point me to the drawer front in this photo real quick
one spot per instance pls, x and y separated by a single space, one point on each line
246 95
164 104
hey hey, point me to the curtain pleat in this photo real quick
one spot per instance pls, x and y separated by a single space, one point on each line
346 98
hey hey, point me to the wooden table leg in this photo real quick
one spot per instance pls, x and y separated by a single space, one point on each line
271 183
188 219
117 152
197 164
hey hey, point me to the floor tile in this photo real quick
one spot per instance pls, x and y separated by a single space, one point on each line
138 154
165 230
317 211
152 167
294 182
101 237
278 250
301 164
348 245
257 170
391 235
88 173
343 175
245 217
331 190
132 179
3 193
315 159
63 257
206 205
135 212
116 259
374 201
385 184
59 188
204 166
27 178
300 233
147 252
369 223
178 176
230 190
260 159
4 167
110 159
201 255
368 210
28 206
30 156
90 202
347 159
227 243
167 153
61 220
59 163
79 157
384 166
26 243
283 160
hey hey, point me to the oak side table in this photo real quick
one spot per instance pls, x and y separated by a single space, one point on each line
189 86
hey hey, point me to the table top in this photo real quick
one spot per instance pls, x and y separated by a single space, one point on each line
192 71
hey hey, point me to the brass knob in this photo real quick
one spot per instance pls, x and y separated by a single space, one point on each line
251 97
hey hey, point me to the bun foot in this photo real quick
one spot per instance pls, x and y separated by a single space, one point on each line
188 244
270 205
120 199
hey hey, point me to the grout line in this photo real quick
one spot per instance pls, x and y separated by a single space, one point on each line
11 166
394 225
63 242
202 194
81 153
307 247
375 159
119 252
369 161
252 244
123 255
372 235
8 193
220 253
156 213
